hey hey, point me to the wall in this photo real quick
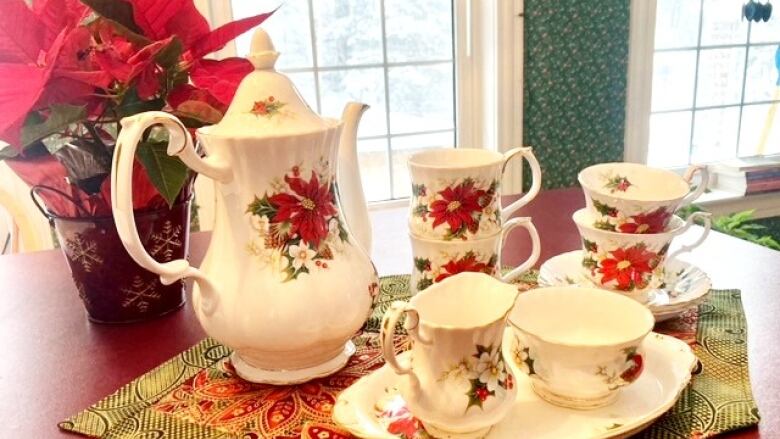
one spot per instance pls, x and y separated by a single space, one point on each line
576 56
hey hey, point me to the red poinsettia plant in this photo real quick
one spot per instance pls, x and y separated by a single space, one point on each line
71 70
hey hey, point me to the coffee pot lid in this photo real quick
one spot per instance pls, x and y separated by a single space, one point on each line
267 104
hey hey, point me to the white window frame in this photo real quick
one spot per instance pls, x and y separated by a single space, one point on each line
488 39
641 48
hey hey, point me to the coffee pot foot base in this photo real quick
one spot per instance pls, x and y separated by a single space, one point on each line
444 434
288 377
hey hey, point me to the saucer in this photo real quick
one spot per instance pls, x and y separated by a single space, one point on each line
372 406
685 285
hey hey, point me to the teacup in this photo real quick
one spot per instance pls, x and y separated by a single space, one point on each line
456 380
634 198
579 345
631 264
436 260
455 192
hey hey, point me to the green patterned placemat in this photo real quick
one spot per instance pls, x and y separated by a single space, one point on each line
168 401
720 398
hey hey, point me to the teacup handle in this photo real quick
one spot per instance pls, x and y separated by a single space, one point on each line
536 179
526 223
704 216
387 332
705 179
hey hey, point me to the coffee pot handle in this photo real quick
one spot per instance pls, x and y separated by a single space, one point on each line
526 223
705 179
536 179
179 143
706 218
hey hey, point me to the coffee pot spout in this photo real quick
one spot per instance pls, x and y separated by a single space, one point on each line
351 196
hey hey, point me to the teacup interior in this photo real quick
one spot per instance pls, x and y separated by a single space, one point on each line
646 183
455 157
579 316
465 300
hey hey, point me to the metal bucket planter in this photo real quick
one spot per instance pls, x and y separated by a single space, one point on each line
113 288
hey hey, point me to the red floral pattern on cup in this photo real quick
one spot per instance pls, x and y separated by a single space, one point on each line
435 271
651 222
617 183
654 221
635 366
458 207
630 268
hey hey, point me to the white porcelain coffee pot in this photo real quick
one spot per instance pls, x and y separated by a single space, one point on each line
285 283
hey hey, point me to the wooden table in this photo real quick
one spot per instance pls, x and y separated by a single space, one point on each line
58 363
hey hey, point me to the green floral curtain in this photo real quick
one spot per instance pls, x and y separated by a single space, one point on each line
576 56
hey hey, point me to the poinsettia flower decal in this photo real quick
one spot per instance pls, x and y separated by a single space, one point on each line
629 268
651 222
457 207
468 262
306 209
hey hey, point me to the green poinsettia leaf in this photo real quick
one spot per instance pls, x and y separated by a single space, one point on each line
61 116
199 111
422 264
167 174
118 11
8 153
261 207
131 104
169 55
424 283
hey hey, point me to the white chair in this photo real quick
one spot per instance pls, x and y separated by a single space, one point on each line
22 228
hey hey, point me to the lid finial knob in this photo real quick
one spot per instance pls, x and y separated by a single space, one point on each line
262 52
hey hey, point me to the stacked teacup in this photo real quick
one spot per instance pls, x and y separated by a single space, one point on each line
456 220
629 222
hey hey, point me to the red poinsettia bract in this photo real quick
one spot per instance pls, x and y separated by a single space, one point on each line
57 52
457 207
627 267
307 209
49 55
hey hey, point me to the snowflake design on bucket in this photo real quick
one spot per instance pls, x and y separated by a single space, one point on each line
166 241
83 252
140 294
486 373
458 208
298 222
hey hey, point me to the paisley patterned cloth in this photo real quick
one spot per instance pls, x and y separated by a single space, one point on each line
197 394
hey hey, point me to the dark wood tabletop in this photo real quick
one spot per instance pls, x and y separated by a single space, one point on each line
58 363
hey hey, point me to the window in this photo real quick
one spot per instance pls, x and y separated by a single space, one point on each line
435 73
395 55
714 84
